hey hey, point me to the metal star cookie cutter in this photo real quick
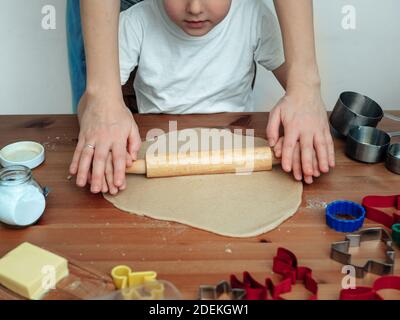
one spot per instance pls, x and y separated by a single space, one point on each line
339 251
220 291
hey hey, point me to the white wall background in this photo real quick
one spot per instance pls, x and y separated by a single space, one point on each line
33 62
34 69
365 60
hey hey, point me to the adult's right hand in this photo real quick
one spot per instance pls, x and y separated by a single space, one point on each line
106 125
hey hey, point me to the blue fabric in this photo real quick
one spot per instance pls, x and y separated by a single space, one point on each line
76 50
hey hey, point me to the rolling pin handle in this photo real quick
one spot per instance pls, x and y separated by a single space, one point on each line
275 160
138 167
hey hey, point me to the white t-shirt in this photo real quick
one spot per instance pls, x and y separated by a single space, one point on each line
178 73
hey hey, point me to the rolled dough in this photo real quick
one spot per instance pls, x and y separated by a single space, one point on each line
226 204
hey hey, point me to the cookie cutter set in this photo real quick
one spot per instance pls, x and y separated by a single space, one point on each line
146 286
355 118
132 285
370 208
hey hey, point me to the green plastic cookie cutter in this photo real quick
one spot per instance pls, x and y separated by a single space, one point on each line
396 233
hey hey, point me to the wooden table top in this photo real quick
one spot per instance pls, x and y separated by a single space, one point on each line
87 228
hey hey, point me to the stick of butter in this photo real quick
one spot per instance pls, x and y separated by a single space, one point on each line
31 271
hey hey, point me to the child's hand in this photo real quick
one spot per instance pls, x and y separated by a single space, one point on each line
108 185
296 162
307 139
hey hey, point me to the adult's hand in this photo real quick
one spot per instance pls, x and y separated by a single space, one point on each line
107 126
301 111
303 116
104 129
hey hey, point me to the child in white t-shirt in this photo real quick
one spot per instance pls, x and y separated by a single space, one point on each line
198 56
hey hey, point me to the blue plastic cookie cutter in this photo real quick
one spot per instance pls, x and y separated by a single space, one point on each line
347 208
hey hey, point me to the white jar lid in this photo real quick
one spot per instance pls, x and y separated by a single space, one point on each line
27 153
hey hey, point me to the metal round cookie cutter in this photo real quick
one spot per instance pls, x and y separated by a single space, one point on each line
368 144
393 158
353 110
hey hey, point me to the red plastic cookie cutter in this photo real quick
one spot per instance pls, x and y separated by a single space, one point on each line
371 293
285 264
372 203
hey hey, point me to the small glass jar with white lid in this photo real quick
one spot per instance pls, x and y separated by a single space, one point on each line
22 199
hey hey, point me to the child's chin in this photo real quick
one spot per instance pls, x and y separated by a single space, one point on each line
196 32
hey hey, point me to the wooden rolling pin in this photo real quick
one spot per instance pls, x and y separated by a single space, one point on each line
205 162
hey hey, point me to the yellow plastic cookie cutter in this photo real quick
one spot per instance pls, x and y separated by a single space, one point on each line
133 284
124 277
